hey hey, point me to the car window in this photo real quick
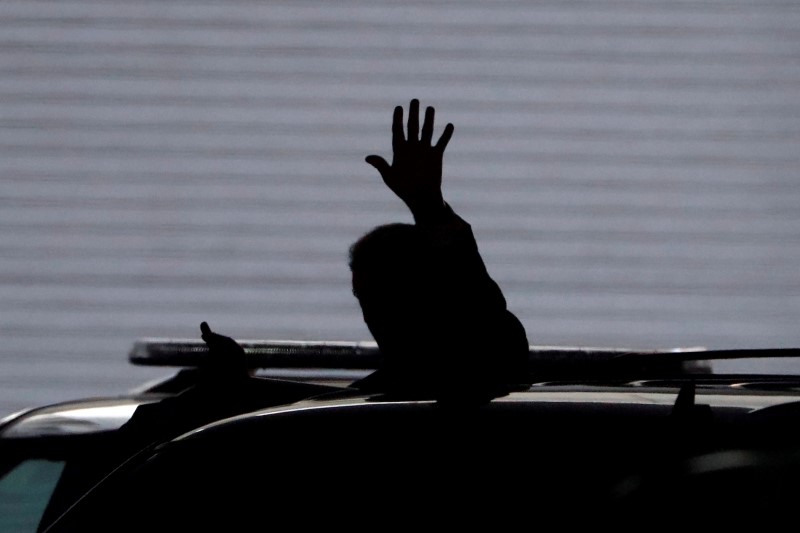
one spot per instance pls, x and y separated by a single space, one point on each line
25 491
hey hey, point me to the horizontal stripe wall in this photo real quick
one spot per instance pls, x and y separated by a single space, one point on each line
630 168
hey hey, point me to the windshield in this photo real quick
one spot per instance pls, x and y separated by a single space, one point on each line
629 169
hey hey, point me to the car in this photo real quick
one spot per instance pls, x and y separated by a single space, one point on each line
51 455
596 436
630 171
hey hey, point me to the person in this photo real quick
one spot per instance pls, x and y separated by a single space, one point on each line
440 321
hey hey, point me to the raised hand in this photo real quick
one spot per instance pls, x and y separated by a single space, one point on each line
415 174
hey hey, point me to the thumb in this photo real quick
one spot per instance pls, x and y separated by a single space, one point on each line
212 338
379 163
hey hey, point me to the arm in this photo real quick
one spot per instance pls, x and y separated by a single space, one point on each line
415 176
226 358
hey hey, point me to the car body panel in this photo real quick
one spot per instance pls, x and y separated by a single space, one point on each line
595 429
51 455
545 452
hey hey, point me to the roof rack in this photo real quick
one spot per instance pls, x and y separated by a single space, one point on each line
545 362
260 353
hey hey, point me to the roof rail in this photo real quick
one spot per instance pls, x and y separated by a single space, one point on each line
260 353
545 362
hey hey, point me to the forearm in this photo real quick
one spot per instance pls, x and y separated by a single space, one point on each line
455 251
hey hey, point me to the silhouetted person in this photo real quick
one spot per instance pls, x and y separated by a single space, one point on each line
439 319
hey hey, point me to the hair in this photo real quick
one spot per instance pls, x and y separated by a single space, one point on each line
391 253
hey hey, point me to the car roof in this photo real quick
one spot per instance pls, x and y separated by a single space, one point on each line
74 418
339 364
306 394
569 446
634 396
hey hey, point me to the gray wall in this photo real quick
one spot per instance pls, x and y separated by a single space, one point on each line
630 168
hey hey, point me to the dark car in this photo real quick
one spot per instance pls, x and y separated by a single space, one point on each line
51 455
597 437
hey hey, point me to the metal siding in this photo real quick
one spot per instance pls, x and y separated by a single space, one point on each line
629 167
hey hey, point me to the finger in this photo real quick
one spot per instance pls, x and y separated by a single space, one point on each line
413 120
204 329
379 163
427 126
397 129
445 138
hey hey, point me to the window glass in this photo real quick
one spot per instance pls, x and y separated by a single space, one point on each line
24 493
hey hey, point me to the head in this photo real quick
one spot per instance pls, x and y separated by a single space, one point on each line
395 284
427 318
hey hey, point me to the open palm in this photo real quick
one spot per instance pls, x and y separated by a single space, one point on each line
415 174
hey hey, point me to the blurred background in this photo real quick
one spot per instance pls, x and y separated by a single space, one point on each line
630 169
